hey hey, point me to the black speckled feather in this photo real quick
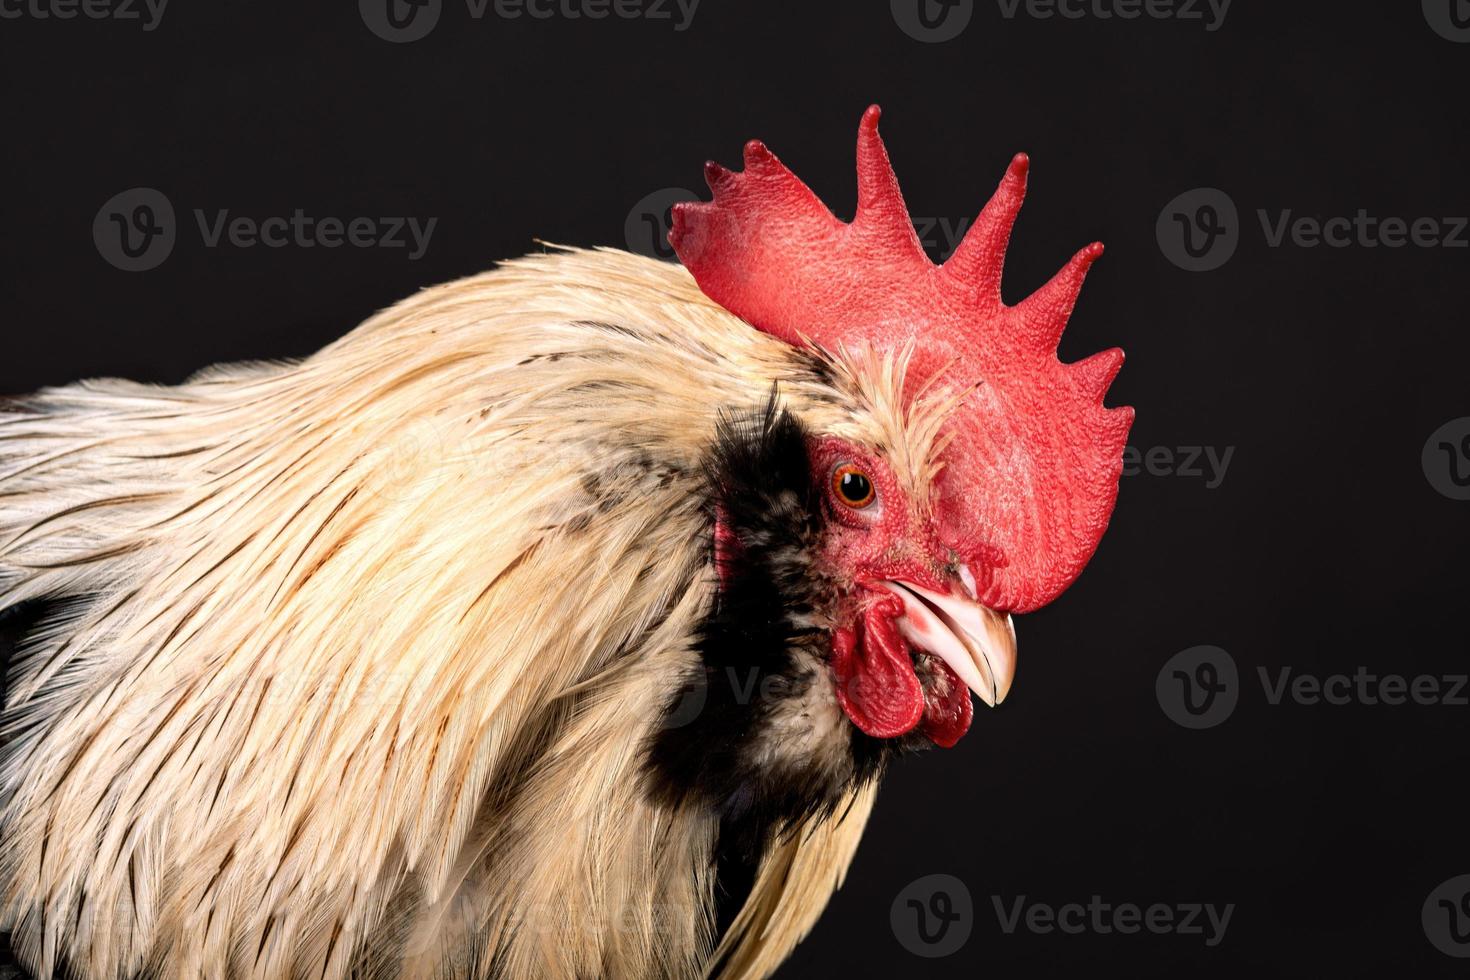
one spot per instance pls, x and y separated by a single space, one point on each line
757 656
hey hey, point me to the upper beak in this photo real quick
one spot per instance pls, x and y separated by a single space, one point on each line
978 643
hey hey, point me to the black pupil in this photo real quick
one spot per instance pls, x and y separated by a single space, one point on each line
855 487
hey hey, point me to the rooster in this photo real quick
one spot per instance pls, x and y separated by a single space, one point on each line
556 622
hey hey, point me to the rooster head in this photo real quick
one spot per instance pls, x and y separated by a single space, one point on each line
983 489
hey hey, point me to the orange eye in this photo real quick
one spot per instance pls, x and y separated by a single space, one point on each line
852 486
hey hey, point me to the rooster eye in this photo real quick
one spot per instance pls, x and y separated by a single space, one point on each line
852 486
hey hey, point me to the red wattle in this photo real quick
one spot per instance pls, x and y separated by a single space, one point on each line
947 716
876 683
879 691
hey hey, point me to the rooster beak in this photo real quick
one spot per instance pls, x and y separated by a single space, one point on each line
978 643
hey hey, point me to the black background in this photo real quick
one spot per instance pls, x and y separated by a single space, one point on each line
1324 548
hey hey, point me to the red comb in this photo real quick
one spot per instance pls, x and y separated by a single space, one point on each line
1031 473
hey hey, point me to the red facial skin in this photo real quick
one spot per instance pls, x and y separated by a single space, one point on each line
888 539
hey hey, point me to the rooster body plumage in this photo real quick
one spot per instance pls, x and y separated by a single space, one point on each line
555 623
444 579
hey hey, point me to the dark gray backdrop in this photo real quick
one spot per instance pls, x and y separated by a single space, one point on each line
1330 540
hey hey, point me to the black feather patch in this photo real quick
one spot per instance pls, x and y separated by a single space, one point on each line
760 657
